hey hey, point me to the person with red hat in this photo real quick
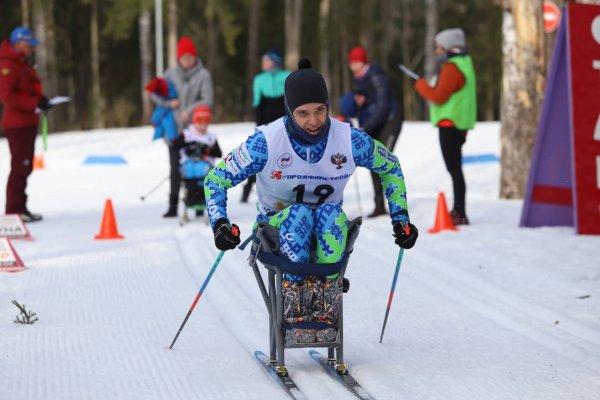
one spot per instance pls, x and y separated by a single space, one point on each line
193 84
198 147
22 97
380 113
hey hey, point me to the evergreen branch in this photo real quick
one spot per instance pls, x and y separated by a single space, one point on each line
28 316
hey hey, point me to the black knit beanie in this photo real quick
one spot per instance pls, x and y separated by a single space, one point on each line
305 85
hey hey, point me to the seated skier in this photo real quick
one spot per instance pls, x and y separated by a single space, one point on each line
198 149
302 163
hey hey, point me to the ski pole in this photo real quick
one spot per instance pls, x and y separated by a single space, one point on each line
154 188
389 305
212 270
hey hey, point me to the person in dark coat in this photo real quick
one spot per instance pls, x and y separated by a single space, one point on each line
380 112
21 95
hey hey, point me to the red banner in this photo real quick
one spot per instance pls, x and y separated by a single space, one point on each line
584 57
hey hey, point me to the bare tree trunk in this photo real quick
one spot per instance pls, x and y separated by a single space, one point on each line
145 27
98 105
344 48
25 12
172 33
366 28
324 51
388 15
407 37
431 28
522 92
251 55
212 36
293 25
46 54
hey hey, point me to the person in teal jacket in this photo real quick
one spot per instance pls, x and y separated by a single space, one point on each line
267 96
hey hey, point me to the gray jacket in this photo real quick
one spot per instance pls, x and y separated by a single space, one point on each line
194 87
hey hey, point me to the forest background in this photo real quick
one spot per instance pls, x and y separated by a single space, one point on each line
101 53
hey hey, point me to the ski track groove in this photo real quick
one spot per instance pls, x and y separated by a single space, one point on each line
100 279
505 308
245 306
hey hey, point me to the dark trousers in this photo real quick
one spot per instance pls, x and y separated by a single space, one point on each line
248 187
451 142
388 136
194 192
21 143
174 175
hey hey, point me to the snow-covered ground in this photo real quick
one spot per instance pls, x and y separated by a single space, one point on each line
490 312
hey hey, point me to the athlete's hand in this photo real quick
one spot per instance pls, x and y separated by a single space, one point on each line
227 236
406 234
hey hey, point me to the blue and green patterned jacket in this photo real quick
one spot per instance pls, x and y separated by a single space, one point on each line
367 153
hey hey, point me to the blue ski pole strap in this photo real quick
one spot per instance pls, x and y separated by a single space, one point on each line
247 241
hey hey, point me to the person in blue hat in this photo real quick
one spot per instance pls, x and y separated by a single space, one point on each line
22 97
267 96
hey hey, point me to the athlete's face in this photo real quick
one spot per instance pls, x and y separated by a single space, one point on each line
311 117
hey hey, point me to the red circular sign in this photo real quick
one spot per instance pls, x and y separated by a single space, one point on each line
551 15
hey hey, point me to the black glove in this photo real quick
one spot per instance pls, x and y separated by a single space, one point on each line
406 234
43 104
227 236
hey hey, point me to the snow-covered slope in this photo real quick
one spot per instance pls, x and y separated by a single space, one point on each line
490 312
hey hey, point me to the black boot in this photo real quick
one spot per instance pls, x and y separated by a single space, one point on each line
28 216
171 212
458 219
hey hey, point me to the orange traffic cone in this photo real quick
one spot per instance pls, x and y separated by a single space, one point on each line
442 217
38 161
108 230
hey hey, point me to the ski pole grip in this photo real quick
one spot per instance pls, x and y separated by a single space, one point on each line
406 228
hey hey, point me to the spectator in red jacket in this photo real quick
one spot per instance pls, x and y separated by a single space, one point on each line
21 95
